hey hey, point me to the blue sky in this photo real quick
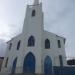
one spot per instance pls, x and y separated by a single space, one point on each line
59 18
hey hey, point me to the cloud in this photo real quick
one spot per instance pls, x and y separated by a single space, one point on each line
60 20
59 16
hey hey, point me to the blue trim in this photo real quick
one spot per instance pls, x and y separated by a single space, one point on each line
14 66
47 66
29 63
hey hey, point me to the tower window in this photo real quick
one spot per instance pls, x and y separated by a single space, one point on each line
33 13
59 44
47 44
31 41
18 45
6 62
10 46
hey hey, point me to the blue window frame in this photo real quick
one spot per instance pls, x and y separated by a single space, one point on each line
59 44
10 45
18 45
61 60
33 13
31 41
47 44
14 66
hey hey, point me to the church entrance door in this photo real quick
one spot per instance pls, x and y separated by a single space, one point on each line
47 66
29 64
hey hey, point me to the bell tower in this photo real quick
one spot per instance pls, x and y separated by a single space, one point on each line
33 27
33 18
36 2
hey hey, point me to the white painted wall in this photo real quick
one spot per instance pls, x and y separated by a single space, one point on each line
54 51
34 26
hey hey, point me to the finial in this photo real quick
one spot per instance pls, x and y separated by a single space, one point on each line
36 2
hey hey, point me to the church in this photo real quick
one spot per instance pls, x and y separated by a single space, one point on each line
35 50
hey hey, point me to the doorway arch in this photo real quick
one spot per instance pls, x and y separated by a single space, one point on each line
47 66
29 63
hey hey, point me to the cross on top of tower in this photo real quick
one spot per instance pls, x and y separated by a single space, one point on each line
36 2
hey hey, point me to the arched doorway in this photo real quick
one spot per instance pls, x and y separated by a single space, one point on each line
29 63
14 66
47 66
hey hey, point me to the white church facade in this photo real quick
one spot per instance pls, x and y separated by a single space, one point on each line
34 50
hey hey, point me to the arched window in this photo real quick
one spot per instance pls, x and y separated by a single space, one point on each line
47 44
33 13
18 45
10 45
6 62
59 44
31 41
14 66
64 41
61 60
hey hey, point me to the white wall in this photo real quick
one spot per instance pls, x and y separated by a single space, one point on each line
54 51
33 26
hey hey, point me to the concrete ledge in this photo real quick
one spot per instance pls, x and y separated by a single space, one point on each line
26 74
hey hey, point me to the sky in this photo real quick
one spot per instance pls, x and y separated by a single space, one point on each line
59 18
